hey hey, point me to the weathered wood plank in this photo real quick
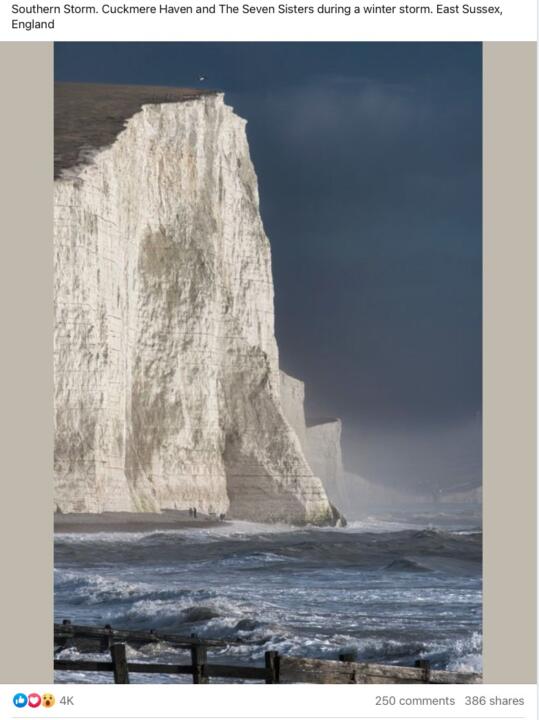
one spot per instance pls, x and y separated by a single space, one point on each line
296 669
119 664
138 636
230 671
307 670
83 666
161 668
106 641
199 660
236 671
100 666
271 661
424 665
447 677
300 674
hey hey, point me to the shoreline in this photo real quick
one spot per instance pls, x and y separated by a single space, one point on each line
376 520
131 522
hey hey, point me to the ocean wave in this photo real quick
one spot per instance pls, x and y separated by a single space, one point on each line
314 547
467 663
231 528
243 529
95 589
385 596
98 589
373 524
183 613
405 565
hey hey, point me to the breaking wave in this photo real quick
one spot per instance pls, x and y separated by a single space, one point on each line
389 597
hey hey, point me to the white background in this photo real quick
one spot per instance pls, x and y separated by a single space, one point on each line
518 22
240 702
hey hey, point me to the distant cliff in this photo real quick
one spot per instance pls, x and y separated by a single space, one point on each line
167 387
320 440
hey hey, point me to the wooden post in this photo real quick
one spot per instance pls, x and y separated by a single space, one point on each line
198 661
349 656
119 662
106 642
271 659
67 641
425 666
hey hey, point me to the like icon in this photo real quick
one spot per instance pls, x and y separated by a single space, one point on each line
34 700
20 700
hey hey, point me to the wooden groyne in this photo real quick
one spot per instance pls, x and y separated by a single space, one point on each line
277 668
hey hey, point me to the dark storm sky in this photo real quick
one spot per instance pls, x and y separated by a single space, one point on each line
369 163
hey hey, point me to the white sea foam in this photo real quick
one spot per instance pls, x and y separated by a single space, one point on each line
294 591
467 663
235 528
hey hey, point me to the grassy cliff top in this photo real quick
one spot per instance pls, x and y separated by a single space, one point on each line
89 116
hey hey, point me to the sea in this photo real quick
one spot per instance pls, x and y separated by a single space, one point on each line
384 590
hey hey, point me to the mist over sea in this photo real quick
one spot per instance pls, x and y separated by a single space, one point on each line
387 590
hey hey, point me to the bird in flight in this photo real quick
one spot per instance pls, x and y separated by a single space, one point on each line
201 78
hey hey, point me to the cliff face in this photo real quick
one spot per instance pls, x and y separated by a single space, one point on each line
293 404
167 390
323 451
320 440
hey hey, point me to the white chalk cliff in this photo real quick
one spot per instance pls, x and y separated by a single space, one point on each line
320 440
167 387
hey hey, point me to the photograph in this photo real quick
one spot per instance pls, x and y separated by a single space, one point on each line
268 327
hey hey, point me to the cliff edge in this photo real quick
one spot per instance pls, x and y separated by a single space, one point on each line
167 388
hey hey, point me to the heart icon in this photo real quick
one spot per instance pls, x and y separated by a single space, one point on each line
34 700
